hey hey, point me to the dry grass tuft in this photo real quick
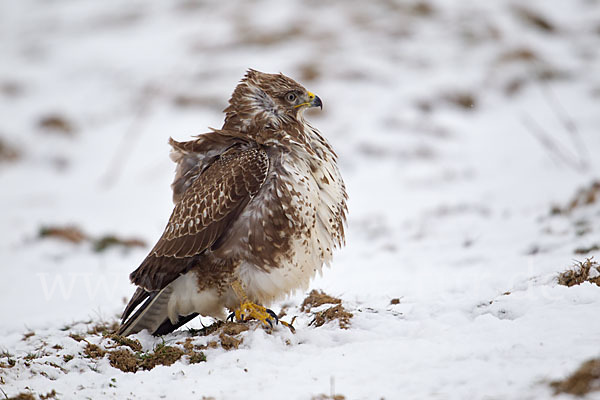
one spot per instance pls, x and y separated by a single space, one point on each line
128 361
586 250
317 298
583 381
67 233
93 351
22 396
534 19
107 241
8 153
582 271
103 328
50 395
162 355
464 100
584 197
133 344
124 360
337 312
57 124
75 235
329 397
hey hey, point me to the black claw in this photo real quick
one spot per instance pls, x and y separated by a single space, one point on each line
272 314
230 317
270 323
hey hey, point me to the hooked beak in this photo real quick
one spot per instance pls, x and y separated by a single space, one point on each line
314 100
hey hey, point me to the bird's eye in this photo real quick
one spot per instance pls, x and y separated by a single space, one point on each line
291 97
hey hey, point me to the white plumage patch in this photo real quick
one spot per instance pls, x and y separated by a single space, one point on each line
186 299
319 195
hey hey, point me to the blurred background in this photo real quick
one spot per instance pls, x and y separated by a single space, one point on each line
467 134
460 126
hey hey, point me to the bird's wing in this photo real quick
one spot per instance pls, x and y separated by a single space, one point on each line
194 156
204 213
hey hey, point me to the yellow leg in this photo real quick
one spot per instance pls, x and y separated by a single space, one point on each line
248 310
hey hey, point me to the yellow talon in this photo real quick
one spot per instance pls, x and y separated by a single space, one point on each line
248 310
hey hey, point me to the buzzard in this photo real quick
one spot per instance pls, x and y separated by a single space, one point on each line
259 207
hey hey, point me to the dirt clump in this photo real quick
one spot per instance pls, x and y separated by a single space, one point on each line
57 124
105 242
127 361
22 396
229 342
229 335
234 328
133 344
50 395
124 360
103 328
338 312
586 250
584 197
582 271
162 355
93 351
8 153
67 233
76 235
317 298
329 397
583 381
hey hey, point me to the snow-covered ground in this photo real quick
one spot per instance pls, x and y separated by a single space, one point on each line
459 126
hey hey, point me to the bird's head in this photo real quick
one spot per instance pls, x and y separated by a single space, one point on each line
268 100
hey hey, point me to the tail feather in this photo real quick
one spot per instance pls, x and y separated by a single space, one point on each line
168 327
152 314
149 315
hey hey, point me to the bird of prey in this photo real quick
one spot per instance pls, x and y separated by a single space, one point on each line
259 207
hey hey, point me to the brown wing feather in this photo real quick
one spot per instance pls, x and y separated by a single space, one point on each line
203 214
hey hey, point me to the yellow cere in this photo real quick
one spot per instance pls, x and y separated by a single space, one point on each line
311 96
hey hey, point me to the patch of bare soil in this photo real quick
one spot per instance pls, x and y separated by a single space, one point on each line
75 235
584 197
8 153
228 335
22 396
586 250
534 19
29 396
127 361
104 242
582 271
583 381
329 397
337 312
67 233
57 124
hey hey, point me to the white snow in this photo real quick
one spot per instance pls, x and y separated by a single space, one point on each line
449 208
